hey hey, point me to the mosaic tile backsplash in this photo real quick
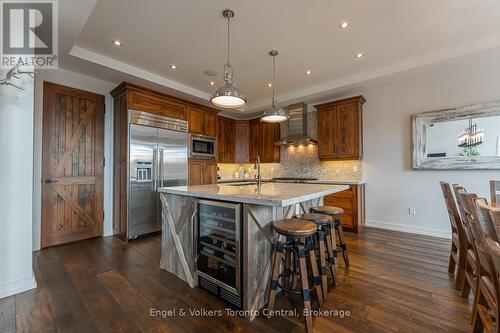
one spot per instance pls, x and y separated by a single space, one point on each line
301 161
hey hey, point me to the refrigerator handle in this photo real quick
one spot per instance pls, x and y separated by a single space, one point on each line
153 171
160 169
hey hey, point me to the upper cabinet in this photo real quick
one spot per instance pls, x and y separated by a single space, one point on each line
226 145
241 141
145 100
261 141
340 129
202 121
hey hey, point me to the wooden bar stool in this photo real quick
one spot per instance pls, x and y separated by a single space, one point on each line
324 223
335 213
295 232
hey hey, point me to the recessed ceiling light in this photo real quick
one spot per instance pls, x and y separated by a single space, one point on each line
344 25
308 72
359 55
173 67
117 43
269 85
212 83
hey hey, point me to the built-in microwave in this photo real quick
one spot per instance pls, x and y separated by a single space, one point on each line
202 147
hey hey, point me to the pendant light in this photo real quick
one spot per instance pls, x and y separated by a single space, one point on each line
228 96
275 114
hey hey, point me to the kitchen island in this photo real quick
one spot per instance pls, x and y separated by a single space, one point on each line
241 243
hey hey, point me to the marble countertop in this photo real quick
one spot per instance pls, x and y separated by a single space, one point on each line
270 194
319 181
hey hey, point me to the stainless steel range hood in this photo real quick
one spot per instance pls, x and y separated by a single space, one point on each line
297 127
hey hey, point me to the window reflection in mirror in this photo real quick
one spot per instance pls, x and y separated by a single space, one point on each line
464 137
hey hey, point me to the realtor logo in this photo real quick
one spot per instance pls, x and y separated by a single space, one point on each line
29 33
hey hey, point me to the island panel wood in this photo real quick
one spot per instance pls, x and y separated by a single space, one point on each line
340 129
177 254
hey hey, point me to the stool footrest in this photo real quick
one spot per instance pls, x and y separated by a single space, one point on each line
312 283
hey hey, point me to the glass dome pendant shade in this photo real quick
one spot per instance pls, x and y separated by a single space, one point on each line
275 114
228 96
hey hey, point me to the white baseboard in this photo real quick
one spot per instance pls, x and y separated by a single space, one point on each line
441 233
18 286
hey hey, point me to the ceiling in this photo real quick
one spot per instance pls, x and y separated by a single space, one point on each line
394 36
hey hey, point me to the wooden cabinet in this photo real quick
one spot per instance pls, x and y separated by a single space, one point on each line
202 172
149 101
129 96
340 129
202 121
352 201
241 141
261 141
226 145
254 139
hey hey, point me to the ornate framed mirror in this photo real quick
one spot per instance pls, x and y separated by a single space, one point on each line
466 138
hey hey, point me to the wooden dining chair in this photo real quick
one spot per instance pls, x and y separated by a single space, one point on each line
466 209
495 190
458 240
486 316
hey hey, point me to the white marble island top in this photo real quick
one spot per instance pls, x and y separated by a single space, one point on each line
270 194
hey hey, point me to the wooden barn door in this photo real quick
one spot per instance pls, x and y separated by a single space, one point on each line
72 165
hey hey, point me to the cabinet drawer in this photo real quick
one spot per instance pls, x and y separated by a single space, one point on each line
157 105
345 204
349 193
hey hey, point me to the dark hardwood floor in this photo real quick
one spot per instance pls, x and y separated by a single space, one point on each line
396 283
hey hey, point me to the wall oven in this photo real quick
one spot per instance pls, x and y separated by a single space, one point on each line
202 147
219 249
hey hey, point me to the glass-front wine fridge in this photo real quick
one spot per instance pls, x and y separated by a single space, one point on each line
219 249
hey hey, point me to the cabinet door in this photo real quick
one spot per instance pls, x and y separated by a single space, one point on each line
255 139
210 123
195 172
209 172
195 119
157 104
229 141
221 128
327 122
241 142
270 134
347 131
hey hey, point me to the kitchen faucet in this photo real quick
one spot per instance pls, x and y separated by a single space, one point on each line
257 166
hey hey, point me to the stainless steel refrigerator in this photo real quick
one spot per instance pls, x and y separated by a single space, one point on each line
158 148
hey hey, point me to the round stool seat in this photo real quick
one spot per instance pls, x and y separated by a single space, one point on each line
319 219
295 227
329 210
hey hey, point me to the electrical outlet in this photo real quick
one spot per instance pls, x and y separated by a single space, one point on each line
354 168
412 211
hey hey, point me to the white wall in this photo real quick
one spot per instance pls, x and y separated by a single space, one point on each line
16 188
392 186
78 81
